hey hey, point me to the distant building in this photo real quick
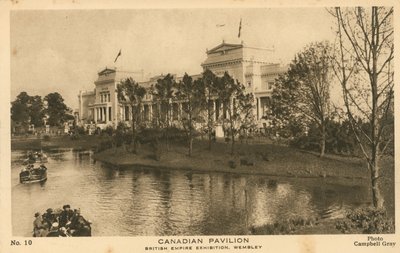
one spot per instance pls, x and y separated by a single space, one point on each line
249 65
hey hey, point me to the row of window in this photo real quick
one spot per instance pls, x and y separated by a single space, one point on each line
105 97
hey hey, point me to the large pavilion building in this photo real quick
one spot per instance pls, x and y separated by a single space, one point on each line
251 66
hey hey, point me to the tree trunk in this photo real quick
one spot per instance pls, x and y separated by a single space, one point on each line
209 128
166 129
209 133
190 134
209 138
133 131
233 142
190 145
377 198
322 141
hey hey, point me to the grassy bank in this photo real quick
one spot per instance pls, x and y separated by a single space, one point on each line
266 159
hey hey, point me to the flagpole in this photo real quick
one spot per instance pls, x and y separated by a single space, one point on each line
118 55
240 27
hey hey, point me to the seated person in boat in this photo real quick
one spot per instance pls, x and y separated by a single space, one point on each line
49 217
28 168
54 232
38 225
66 215
63 232
79 226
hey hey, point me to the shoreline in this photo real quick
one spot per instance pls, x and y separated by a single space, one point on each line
240 171
283 162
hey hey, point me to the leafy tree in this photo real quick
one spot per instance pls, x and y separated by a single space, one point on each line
56 109
209 82
20 109
36 110
27 110
364 68
192 92
303 93
132 93
238 108
163 93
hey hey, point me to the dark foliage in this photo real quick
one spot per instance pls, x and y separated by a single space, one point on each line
339 139
368 221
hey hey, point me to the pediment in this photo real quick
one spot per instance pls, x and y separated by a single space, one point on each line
106 71
224 47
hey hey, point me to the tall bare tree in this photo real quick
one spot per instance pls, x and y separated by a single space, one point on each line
364 68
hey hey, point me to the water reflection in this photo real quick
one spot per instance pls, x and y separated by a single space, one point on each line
155 202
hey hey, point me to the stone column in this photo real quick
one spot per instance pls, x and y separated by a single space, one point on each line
95 114
106 113
260 114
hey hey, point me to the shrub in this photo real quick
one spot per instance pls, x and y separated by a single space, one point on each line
79 130
339 138
109 130
46 137
283 227
122 134
103 145
232 164
149 135
174 134
367 221
75 136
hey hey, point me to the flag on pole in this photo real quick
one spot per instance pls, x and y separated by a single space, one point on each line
240 27
117 56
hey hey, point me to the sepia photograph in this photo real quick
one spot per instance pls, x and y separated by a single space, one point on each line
200 129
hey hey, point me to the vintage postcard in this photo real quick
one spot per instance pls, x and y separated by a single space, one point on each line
168 126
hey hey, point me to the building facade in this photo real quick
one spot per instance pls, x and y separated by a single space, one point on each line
249 65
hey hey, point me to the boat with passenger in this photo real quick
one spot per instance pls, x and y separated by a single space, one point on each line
33 174
36 157
61 223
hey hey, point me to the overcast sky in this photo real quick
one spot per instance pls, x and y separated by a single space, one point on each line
59 50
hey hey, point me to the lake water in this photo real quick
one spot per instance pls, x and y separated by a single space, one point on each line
151 202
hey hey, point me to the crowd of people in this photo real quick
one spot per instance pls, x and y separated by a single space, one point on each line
61 223
36 157
31 168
